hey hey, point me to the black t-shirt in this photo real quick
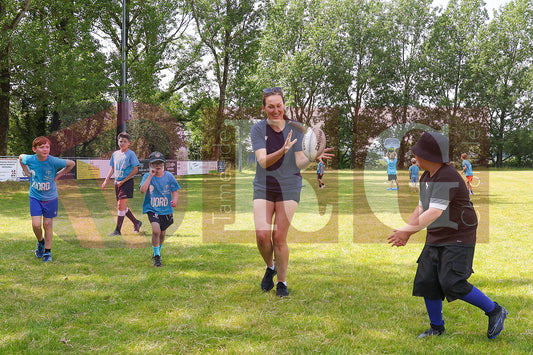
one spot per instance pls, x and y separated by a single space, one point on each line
447 190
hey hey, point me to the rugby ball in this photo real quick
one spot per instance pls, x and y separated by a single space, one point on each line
314 143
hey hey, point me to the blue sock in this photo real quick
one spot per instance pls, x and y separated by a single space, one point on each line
160 246
480 300
156 251
434 308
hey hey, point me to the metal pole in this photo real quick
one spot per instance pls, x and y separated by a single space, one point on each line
123 107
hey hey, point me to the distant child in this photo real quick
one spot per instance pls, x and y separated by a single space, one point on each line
413 174
319 174
125 165
161 196
469 173
445 263
42 169
391 159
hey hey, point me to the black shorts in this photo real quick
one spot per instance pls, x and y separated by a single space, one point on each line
443 272
319 176
277 196
125 190
392 177
164 221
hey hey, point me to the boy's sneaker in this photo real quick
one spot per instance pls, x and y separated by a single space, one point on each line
47 257
267 283
496 319
157 260
434 330
281 290
115 233
137 227
40 250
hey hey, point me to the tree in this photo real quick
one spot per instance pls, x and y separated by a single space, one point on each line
448 65
56 64
228 29
410 24
11 13
503 78
355 60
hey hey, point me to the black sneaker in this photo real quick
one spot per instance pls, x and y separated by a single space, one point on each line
267 283
157 260
434 330
115 233
281 290
496 319
137 227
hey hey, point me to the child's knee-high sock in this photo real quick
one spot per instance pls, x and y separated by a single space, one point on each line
434 309
130 215
120 220
480 300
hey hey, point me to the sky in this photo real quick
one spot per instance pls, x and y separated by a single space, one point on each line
490 4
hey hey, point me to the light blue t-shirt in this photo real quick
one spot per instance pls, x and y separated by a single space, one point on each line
43 173
123 163
414 170
159 194
468 171
391 166
320 168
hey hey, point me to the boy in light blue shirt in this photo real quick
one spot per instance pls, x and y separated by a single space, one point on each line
413 175
42 169
391 160
124 164
469 173
161 196
319 174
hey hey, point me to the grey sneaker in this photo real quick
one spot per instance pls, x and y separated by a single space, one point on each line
434 330
115 233
267 283
496 319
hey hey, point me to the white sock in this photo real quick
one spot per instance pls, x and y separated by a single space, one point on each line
273 267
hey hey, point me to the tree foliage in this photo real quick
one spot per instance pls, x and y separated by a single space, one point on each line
360 66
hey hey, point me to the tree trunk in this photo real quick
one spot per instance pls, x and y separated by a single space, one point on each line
5 86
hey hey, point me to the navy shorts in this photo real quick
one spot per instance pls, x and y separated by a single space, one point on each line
47 209
124 191
392 177
274 196
164 221
443 272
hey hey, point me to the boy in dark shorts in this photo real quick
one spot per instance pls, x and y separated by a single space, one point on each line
42 169
445 263
391 159
161 196
319 174
125 165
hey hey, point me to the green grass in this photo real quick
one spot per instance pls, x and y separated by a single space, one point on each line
346 296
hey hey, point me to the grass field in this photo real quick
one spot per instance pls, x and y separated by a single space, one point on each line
349 296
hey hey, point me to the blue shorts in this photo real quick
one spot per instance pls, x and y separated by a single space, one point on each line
47 209
414 179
